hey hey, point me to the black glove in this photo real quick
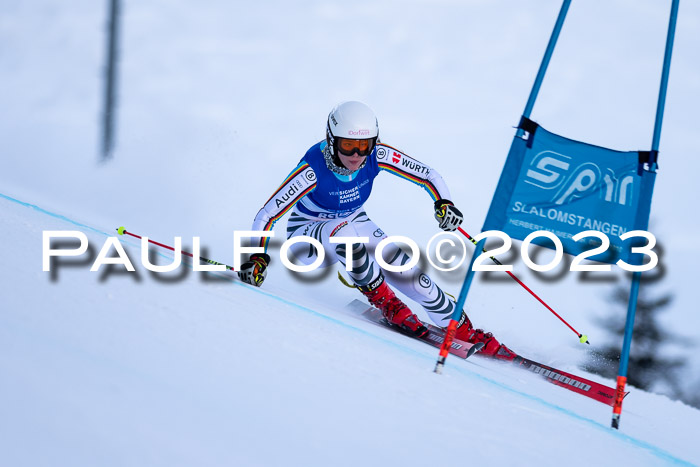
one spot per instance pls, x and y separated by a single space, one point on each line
254 270
447 215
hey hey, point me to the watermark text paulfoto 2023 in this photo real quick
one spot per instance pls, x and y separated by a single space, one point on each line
436 244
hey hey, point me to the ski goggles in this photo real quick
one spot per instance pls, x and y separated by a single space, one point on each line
363 147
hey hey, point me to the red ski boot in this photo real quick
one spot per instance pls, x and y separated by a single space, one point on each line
492 347
394 310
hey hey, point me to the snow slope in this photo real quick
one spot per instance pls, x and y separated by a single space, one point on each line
217 101
115 368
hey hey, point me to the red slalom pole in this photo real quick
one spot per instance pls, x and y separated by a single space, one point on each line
582 337
446 344
123 231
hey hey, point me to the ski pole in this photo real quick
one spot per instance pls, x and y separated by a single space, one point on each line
582 337
123 231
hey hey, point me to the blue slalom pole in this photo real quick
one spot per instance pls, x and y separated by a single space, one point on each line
545 62
637 276
457 314
452 327
664 77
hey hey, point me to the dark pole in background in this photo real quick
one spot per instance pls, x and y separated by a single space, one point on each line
110 82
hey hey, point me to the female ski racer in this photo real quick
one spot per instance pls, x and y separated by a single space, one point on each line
325 194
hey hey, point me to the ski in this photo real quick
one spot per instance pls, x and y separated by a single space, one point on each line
434 337
577 384
585 387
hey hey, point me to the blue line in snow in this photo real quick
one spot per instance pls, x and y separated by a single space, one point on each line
642 444
52 214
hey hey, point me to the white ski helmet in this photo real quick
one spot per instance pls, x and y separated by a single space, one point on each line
351 120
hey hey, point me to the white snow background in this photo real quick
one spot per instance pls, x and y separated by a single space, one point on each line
217 102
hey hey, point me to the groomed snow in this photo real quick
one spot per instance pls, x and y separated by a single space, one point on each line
116 368
217 102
